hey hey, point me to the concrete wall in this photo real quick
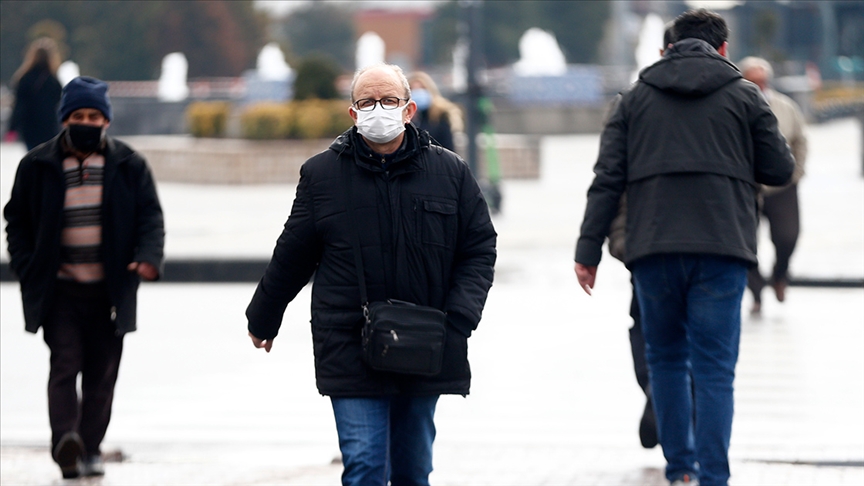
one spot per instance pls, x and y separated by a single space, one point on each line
234 161
147 116
546 119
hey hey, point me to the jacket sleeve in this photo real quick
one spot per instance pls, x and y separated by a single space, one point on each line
150 229
474 260
20 229
798 142
295 258
773 162
605 193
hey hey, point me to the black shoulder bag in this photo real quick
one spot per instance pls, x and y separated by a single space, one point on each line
398 336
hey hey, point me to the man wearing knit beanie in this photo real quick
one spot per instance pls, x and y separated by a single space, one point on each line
80 287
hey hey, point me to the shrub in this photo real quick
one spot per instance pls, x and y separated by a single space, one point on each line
305 119
339 119
208 118
266 121
316 78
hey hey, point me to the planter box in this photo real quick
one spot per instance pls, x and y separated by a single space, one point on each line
236 161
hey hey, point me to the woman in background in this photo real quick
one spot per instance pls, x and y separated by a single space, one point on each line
435 113
37 94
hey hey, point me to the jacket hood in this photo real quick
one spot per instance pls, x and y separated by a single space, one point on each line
691 67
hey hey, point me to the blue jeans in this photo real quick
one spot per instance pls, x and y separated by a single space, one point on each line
691 319
386 439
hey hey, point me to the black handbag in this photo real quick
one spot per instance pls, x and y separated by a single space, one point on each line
398 336
402 337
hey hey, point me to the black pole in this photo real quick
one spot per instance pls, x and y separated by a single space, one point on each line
473 122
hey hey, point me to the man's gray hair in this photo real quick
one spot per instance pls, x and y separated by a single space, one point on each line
751 62
396 69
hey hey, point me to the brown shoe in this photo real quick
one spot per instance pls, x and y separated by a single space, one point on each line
780 290
756 308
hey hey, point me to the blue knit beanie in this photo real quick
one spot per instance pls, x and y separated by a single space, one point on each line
84 92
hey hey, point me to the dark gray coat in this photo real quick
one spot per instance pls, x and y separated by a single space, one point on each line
426 238
690 142
132 228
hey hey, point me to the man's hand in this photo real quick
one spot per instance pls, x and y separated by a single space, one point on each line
586 276
261 343
144 269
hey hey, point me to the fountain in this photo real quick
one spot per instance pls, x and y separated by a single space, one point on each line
542 77
539 55
172 81
650 43
67 72
272 79
370 50
271 64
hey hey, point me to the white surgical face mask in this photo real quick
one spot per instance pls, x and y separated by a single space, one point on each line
380 125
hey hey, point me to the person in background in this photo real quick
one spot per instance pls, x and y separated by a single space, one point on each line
84 226
779 204
435 113
617 233
37 93
689 142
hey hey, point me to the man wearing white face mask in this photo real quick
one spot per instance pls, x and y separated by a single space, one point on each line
420 226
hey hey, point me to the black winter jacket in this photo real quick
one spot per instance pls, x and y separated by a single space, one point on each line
34 115
132 228
690 142
426 238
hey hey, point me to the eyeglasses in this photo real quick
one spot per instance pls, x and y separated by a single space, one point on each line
368 104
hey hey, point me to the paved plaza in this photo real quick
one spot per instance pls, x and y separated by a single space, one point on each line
554 400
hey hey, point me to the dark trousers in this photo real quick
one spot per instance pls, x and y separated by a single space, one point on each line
781 211
82 339
637 347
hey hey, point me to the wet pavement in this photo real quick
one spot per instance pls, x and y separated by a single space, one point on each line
554 400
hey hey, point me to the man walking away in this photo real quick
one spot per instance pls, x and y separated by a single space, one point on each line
690 142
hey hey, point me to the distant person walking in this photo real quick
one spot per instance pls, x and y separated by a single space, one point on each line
779 205
435 113
690 151
37 93
617 236
84 226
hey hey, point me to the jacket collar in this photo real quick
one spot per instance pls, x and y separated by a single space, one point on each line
54 151
406 159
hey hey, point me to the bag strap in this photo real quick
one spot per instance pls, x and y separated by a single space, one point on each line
355 235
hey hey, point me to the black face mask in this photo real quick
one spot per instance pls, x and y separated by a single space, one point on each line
84 138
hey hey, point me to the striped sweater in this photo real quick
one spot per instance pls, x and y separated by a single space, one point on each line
81 237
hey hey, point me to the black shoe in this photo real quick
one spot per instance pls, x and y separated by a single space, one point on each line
68 453
93 466
648 427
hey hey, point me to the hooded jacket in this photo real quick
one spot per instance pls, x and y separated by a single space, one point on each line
690 142
426 238
132 228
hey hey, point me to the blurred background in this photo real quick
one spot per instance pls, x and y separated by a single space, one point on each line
547 66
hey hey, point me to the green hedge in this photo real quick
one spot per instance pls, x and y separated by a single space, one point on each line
305 119
208 118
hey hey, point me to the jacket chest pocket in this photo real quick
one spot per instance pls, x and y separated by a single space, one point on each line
436 221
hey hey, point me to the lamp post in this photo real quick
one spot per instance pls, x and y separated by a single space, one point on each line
472 30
